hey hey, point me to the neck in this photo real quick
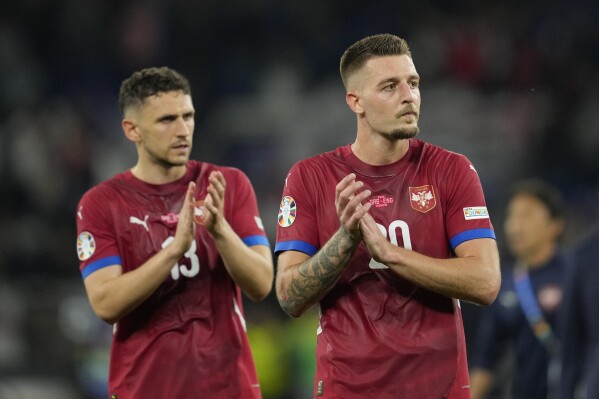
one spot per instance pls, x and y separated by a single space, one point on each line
539 258
158 174
375 149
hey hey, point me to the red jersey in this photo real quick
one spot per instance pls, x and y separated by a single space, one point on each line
381 336
188 338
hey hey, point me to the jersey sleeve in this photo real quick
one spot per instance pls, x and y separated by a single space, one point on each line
96 239
242 210
467 217
297 225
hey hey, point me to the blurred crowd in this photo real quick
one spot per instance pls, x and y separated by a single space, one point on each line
513 85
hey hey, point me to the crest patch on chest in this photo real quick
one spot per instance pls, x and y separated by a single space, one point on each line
422 199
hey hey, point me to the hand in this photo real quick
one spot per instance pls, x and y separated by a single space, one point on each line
349 204
186 228
374 239
214 203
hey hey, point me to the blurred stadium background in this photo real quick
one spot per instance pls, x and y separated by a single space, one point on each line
514 85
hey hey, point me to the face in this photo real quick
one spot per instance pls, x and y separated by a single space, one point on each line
529 225
163 128
387 92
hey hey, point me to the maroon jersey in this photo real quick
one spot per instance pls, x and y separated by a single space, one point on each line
188 338
381 336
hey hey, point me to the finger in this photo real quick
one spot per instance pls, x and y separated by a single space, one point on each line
217 198
188 201
354 206
358 215
343 184
348 194
356 202
191 188
211 208
368 225
218 181
218 175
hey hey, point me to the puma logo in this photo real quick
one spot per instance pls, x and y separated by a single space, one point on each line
143 223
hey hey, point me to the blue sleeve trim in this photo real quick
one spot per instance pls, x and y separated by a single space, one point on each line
256 240
471 235
296 245
99 264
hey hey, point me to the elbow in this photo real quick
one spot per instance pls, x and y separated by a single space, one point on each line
291 311
261 291
105 312
259 294
106 315
489 291
290 307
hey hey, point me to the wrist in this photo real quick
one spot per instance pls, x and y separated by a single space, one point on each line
174 251
354 237
219 230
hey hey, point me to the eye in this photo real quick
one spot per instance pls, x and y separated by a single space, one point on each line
414 84
167 119
390 87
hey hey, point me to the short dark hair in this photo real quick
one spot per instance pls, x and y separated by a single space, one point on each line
149 82
550 196
361 51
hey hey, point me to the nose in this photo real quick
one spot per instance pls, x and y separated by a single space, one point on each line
406 92
184 128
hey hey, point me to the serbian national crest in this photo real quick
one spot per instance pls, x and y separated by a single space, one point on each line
287 211
422 198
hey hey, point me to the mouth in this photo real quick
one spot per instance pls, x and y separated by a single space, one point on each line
409 112
181 147
409 115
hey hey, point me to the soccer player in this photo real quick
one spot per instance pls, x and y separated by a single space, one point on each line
580 323
386 235
165 249
524 318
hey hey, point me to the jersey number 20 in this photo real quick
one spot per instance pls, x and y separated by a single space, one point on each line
405 235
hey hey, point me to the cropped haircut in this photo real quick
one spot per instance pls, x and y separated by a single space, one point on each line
548 195
360 52
149 82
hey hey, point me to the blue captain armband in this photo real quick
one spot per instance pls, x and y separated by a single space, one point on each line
470 235
99 264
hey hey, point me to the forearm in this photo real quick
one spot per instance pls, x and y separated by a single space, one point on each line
250 267
116 296
301 286
468 278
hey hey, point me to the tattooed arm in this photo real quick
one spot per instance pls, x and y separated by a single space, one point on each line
302 280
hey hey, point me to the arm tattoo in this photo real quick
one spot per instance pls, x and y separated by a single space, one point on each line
318 274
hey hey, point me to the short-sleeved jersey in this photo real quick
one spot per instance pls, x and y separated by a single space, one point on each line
504 323
188 338
380 336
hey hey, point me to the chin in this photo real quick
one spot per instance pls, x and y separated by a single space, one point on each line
404 133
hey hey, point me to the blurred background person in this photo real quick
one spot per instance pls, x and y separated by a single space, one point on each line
580 323
524 316
503 80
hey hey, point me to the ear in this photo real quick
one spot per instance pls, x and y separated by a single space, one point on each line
353 101
130 130
559 225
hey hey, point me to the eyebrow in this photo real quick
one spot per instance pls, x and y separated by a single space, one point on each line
412 76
